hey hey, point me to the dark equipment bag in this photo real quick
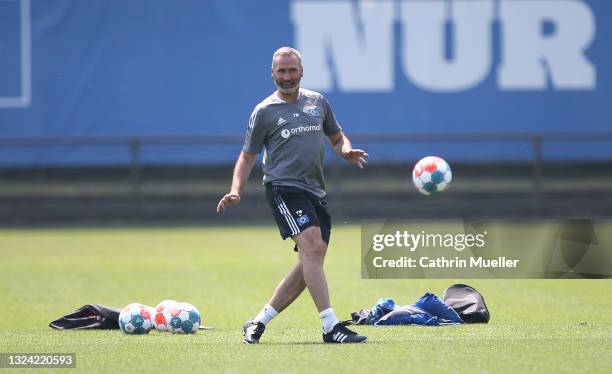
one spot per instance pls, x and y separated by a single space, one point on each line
467 302
90 316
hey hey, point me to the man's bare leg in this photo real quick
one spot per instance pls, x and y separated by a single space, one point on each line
312 253
286 292
288 289
307 273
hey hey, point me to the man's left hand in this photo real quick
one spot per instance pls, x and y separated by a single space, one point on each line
356 157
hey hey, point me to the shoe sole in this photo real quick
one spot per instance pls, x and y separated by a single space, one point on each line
334 342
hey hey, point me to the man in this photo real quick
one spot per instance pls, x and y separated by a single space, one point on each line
291 124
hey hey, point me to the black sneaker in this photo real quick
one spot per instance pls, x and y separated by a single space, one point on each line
252 331
340 334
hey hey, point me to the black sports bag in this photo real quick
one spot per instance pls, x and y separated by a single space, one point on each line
467 302
90 316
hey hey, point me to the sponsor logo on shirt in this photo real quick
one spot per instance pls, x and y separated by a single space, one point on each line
281 121
286 133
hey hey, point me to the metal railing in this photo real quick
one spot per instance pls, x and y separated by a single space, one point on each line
135 144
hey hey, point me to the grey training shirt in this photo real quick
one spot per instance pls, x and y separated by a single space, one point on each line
294 137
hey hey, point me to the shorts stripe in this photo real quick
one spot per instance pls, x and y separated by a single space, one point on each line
285 212
282 207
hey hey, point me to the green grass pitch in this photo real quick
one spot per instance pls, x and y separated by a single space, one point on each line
229 273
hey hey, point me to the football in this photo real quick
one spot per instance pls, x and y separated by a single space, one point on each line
182 318
135 319
431 175
159 320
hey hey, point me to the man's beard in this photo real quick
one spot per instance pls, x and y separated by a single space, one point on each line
287 89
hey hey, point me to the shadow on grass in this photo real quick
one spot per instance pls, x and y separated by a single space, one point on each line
322 343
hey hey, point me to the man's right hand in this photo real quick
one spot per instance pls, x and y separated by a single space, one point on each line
227 200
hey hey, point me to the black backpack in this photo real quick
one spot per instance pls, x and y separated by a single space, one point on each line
467 302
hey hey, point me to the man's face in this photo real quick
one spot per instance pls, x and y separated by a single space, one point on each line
287 73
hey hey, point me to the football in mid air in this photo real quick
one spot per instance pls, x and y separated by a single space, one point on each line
431 175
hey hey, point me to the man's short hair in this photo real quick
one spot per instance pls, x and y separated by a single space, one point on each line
287 51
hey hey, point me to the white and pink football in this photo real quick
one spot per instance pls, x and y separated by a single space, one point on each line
159 318
431 175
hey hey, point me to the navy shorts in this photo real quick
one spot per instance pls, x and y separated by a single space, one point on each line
295 209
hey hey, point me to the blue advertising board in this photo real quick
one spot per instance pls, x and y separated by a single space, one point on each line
112 68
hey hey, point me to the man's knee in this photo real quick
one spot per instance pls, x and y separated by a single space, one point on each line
311 244
316 248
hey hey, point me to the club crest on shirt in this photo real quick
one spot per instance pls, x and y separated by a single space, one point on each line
313 112
302 220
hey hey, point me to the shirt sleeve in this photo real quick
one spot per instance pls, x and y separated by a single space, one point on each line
256 133
330 125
